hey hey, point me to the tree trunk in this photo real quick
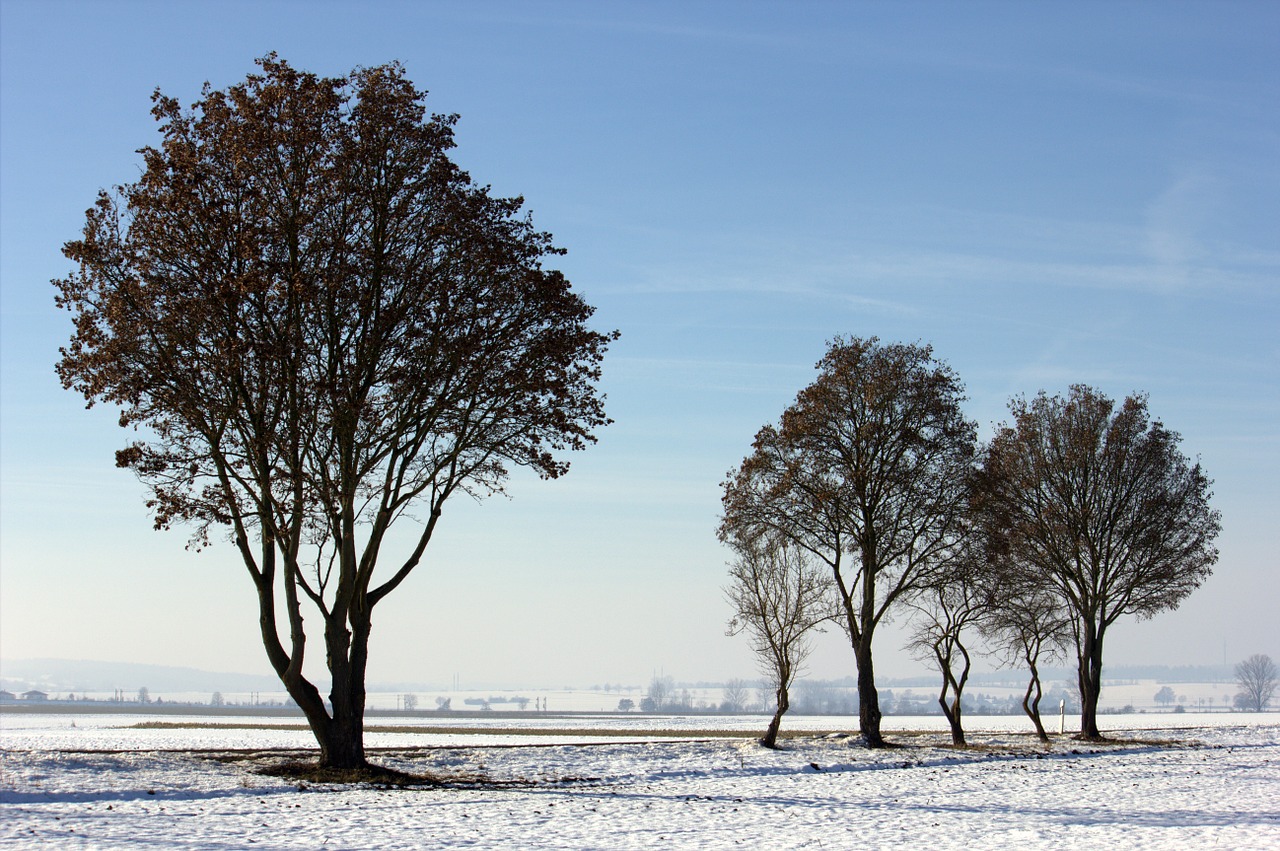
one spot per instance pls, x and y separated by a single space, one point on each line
952 711
770 739
343 743
338 728
340 734
1090 675
868 699
340 745
1031 705
957 729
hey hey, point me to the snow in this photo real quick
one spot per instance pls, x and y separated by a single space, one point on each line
1179 781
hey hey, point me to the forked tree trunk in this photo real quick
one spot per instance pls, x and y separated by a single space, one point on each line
953 709
952 712
343 745
1031 703
338 728
1090 676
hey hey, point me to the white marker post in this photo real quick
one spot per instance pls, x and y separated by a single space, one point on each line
1062 717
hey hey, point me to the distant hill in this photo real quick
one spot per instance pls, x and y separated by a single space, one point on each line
83 675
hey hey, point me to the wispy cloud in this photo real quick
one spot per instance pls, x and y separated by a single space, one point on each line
1174 263
1172 222
1161 252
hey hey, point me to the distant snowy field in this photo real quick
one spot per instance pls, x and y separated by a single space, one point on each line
1214 782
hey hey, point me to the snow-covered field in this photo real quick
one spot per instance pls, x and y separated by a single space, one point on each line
1180 781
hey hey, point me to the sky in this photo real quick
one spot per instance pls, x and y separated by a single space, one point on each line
1047 194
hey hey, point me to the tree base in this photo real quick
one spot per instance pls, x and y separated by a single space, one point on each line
368 774
876 742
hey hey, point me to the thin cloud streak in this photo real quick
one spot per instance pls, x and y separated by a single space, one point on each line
953 270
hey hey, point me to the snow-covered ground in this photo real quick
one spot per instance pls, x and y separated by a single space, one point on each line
1182 781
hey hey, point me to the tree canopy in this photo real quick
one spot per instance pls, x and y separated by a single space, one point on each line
322 326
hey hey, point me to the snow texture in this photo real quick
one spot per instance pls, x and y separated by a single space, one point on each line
104 784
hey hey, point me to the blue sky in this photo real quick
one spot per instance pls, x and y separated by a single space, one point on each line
1046 193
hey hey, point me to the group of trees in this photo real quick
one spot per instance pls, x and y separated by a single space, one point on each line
324 328
663 696
1256 678
1077 512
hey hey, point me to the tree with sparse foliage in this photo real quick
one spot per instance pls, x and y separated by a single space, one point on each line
1097 504
1029 629
778 596
1257 678
1023 623
410 701
945 614
323 329
1165 697
867 472
737 693
661 692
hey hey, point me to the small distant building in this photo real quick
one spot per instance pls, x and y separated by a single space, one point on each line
34 695
6 696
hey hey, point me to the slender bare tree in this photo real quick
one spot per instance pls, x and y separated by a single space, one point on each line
1026 626
946 613
778 597
737 693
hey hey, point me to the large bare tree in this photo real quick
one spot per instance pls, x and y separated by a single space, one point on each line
1256 677
322 328
867 471
1096 504
778 596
